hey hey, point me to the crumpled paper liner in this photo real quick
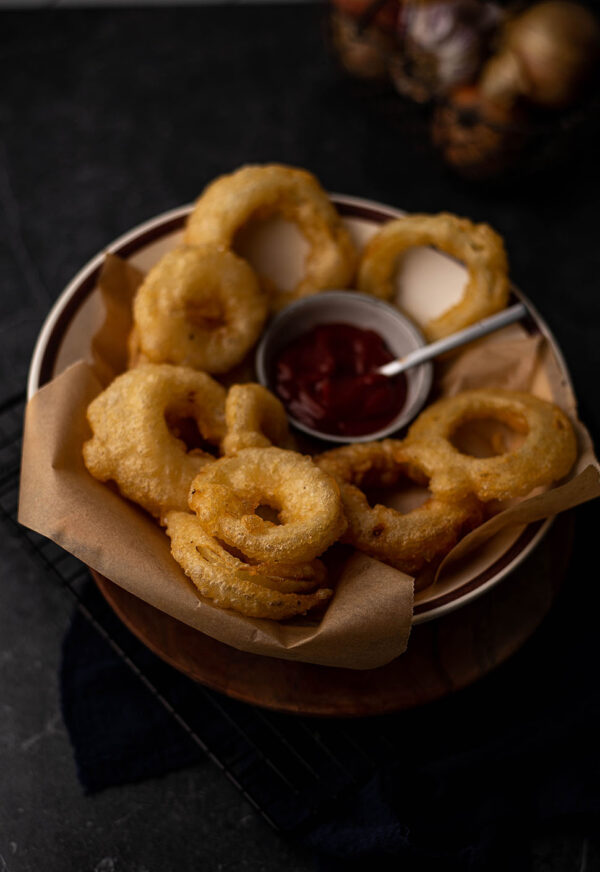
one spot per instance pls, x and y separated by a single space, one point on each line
368 622
118 282
61 500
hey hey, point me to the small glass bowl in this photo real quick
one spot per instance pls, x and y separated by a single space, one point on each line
360 310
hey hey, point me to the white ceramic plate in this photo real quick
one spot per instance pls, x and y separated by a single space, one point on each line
428 284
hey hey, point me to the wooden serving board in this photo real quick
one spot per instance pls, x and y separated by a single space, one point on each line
443 655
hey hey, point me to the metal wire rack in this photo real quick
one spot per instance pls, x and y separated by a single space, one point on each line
290 768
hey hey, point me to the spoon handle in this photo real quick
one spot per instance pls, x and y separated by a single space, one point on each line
455 340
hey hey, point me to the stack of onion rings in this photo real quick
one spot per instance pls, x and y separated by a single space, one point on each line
226 496
258 192
262 514
479 247
132 444
275 591
245 562
198 307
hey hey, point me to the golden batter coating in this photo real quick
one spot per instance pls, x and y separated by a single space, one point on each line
547 453
255 418
260 191
198 307
406 540
310 518
132 443
258 591
477 246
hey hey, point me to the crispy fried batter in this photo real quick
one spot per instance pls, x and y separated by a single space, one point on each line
132 443
547 453
258 591
257 192
479 247
227 495
198 307
254 418
408 541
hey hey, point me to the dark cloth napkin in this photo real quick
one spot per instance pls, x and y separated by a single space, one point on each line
473 778
119 730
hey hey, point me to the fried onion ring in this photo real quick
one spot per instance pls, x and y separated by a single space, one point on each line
226 495
132 443
198 307
258 192
255 418
408 541
258 591
547 453
135 357
479 247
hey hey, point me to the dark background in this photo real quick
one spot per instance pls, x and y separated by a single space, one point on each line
107 118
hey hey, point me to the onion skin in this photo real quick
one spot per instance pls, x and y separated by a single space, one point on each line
442 45
548 55
384 17
479 137
362 52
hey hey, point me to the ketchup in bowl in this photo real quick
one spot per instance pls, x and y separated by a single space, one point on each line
326 379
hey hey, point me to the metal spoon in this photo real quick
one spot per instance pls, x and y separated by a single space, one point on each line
455 340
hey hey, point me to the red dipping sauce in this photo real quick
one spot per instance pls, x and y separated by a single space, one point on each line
326 380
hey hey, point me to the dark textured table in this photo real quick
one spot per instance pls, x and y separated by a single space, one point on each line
108 118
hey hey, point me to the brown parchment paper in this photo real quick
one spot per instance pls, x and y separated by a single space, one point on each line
368 622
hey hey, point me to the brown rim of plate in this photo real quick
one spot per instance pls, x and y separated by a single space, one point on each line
349 207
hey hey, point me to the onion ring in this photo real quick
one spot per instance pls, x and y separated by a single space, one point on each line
479 247
226 495
547 453
199 307
258 192
135 356
258 591
408 541
255 418
132 444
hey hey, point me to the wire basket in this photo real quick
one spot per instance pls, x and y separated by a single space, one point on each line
289 768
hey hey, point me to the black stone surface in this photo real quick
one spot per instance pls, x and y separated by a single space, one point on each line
108 117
